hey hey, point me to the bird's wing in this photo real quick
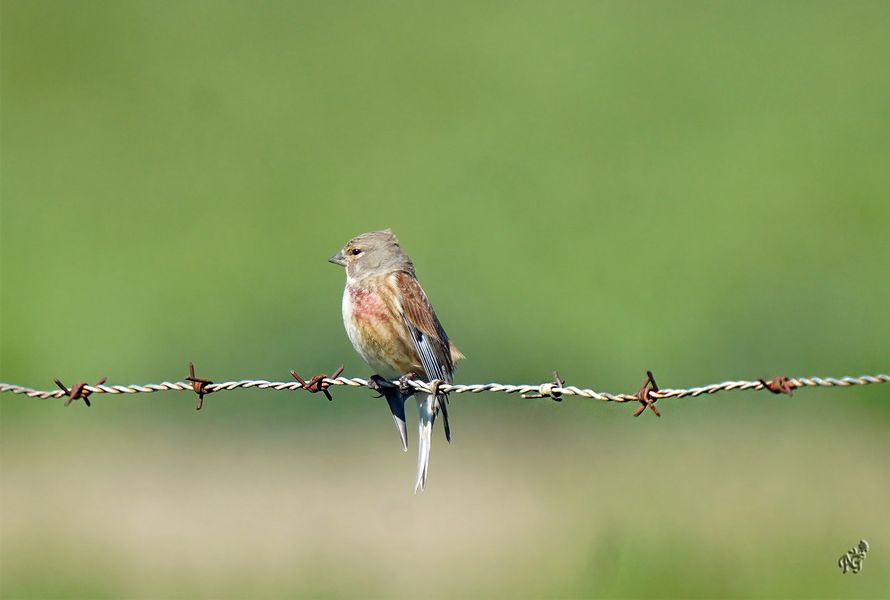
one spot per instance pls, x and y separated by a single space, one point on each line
429 338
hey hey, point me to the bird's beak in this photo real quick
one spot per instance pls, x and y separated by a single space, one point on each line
338 259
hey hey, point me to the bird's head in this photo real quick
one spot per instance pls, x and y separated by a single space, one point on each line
372 253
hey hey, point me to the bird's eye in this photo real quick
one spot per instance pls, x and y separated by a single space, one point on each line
355 251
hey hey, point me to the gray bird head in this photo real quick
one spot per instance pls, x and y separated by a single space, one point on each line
373 253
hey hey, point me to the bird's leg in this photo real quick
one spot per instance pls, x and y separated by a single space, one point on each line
404 388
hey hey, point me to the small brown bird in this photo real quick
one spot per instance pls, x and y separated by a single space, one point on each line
392 325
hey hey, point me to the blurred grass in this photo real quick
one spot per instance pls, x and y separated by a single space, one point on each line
695 188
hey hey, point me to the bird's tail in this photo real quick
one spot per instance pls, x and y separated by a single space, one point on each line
426 409
442 403
396 402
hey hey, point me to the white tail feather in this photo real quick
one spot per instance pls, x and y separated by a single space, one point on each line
426 409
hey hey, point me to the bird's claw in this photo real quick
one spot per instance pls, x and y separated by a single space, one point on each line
377 383
404 387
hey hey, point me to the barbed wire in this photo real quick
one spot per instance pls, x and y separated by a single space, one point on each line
647 395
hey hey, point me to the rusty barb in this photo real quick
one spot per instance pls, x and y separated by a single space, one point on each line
78 392
779 385
646 397
318 383
199 386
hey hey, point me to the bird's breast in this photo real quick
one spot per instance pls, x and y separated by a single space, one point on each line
376 329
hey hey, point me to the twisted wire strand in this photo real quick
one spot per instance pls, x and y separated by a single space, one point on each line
543 390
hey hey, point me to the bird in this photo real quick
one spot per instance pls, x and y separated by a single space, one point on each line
393 327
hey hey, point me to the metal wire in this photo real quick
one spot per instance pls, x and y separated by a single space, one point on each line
554 390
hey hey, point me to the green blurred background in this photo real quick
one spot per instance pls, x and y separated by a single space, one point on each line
696 188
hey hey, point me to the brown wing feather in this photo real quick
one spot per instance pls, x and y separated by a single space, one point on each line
429 337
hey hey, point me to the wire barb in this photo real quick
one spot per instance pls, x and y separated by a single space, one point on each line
319 383
80 391
646 397
779 385
549 390
199 386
